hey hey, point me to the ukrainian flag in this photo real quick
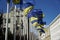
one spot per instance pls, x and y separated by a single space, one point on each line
40 14
37 13
42 30
39 26
33 20
27 8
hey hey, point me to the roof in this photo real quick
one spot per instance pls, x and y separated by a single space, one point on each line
54 20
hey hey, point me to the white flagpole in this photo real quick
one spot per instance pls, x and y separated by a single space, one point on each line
14 23
6 33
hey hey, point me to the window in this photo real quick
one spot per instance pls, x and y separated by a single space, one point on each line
8 20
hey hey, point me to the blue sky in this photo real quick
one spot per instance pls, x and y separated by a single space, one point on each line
51 8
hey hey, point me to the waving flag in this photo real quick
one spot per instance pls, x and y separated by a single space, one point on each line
27 8
36 18
41 30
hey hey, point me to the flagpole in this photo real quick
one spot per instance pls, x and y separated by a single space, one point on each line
28 29
21 30
14 27
6 33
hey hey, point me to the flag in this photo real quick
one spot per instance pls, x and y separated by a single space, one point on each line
33 18
34 21
37 13
16 1
41 30
27 7
39 27
27 10
40 14
35 24
8 1
40 21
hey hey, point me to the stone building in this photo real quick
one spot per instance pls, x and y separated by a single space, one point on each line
55 28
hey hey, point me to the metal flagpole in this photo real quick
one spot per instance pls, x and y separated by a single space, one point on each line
23 30
6 33
20 25
28 29
14 26
21 20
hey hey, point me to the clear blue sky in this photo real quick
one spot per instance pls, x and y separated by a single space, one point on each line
51 8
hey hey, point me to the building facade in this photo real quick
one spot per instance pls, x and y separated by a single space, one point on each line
55 28
21 22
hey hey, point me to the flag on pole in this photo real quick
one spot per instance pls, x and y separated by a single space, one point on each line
16 1
27 8
40 13
39 26
36 18
41 30
34 21
37 13
33 18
